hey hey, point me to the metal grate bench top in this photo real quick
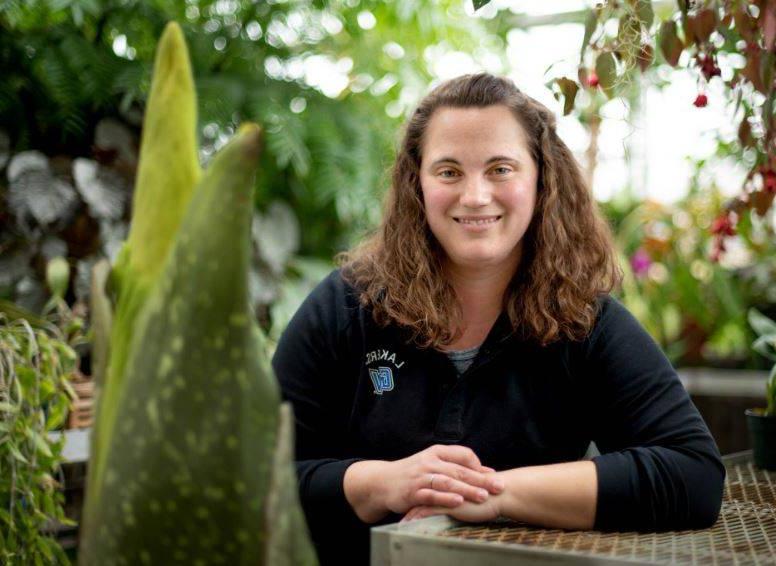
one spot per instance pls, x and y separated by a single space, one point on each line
745 533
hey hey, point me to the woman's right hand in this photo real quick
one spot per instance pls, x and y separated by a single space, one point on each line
441 475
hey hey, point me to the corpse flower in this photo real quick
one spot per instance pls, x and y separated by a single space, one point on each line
192 450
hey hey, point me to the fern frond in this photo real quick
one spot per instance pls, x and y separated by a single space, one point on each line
220 98
285 135
53 72
93 66
134 76
61 85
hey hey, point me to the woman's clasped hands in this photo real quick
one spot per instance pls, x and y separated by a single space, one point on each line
442 479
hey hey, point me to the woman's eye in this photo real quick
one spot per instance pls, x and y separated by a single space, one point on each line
445 174
502 170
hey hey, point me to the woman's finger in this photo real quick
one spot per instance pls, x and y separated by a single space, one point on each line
423 512
487 481
444 483
413 513
431 497
458 454
409 515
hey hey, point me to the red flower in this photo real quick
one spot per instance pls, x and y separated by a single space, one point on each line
708 66
769 181
722 226
701 100
592 79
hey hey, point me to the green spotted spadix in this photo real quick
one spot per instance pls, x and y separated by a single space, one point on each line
168 169
195 465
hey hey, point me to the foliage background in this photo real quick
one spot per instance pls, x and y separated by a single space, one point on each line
76 76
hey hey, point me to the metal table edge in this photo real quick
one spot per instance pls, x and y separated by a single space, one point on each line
426 531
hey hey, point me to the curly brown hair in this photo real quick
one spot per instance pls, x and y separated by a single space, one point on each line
568 258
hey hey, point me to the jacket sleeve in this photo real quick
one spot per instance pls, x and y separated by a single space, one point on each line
311 367
659 466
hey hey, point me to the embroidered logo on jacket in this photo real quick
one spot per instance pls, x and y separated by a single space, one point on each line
382 379
382 355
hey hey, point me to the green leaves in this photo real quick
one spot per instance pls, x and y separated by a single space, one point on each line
85 79
286 139
479 4
41 445
591 23
606 69
34 367
568 89
765 344
708 34
765 328
645 13
761 324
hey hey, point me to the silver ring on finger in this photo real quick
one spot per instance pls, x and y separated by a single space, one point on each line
431 481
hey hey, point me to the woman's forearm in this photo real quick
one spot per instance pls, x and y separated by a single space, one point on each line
555 495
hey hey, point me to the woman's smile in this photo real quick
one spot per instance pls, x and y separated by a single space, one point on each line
477 223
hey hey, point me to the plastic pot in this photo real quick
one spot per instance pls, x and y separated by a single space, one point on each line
762 431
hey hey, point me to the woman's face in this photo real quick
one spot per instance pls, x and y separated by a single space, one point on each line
479 185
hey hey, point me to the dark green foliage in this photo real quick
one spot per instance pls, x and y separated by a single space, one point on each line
61 74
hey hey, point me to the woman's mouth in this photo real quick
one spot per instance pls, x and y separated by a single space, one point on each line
476 220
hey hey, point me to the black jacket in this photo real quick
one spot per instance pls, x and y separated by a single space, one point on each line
362 392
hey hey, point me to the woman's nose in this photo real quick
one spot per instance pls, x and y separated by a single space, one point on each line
476 193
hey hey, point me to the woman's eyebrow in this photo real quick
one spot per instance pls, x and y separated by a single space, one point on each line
489 161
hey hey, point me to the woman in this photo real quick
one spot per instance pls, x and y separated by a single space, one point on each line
465 355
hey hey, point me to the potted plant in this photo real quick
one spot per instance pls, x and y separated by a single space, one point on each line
762 422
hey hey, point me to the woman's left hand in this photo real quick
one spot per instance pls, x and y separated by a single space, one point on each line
469 512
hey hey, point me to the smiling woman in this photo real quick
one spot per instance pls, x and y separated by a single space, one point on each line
502 355
478 181
478 201
406 273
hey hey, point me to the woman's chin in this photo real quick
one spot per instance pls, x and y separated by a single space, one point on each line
481 261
